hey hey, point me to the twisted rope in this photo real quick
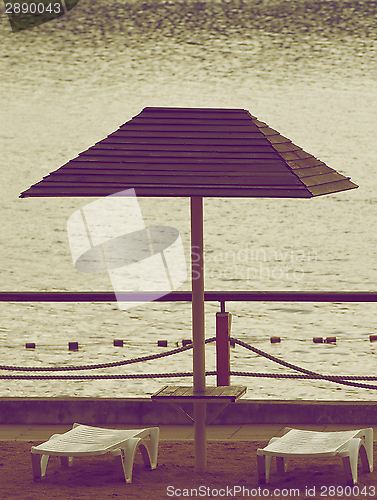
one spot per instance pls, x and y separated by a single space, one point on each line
168 375
294 376
103 365
308 374
314 375
172 375
98 377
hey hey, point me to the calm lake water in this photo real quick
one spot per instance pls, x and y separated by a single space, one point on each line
309 70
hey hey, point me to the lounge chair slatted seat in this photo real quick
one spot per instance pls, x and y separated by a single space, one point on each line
84 440
299 443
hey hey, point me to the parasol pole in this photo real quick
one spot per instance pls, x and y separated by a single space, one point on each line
198 336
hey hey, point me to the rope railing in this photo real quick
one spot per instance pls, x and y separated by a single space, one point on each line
99 377
299 377
181 375
101 365
329 378
308 374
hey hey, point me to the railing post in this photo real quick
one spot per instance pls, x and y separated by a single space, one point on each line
223 325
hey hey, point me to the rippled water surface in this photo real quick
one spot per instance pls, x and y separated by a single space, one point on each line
309 70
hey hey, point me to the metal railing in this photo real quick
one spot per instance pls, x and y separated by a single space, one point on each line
222 320
182 296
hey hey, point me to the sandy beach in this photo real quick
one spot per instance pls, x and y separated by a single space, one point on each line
231 473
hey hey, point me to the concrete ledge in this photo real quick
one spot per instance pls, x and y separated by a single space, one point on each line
143 411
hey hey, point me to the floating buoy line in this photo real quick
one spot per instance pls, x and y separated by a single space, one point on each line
75 346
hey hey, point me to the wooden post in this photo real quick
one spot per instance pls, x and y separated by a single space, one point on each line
198 333
223 325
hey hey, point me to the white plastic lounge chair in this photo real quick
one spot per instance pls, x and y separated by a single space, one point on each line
298 443
83 440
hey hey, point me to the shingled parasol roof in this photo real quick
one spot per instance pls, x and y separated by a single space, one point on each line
194 152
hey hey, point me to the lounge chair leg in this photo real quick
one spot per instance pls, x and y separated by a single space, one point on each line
348 470
44 461
124 458
153 446
119 464
145 454
350 458
268 467
36 465
129 454
130 450
66 461
364 458
369 447
39 465
281 464
263 466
